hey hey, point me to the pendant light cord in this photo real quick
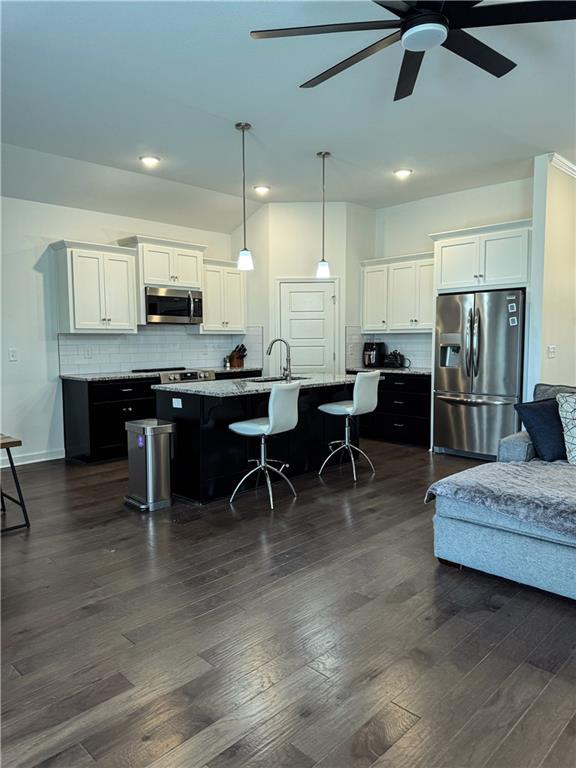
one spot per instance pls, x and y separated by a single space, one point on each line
244 183
323 203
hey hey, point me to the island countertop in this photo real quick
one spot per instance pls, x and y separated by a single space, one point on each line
240 387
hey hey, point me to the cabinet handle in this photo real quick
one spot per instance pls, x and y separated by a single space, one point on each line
398 402
399 383
415 320
398 425
476 276
384 321
481 274
103 319
129 389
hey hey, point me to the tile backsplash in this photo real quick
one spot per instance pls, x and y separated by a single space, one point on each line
417 347
154 346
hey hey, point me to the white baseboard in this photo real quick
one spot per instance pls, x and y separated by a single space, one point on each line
31 458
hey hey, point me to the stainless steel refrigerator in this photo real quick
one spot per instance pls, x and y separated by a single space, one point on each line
478 370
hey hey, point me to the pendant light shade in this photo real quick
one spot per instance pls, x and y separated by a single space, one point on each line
245 262
323 268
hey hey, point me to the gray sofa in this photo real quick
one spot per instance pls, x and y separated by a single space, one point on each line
514 518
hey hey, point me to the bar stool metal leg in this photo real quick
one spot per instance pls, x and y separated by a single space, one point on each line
346 445
264 466
19 501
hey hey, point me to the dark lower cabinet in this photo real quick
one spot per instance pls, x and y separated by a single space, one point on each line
403 411
96 412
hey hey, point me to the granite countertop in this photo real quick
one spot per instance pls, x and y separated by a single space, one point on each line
237 387
420 371
150 375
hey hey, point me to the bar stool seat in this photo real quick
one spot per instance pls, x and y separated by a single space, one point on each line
282 417
251 427
365 399
340 408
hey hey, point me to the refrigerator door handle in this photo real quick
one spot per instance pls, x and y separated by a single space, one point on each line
476 341
470 400
468 343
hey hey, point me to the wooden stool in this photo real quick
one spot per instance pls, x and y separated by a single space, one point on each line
6 443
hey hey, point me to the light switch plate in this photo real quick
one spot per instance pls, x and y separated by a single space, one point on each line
551 351
12 355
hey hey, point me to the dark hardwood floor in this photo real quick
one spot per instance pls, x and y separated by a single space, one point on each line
324 634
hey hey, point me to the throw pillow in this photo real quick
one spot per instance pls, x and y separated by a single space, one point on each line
543 424
567 411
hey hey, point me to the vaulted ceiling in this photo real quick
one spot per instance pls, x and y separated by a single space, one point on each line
105 82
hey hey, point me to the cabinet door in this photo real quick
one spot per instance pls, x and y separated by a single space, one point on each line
234 304
504 258
375 298
158 265
188 268
424 295
213 299
88 291
119 292
458 262
401 296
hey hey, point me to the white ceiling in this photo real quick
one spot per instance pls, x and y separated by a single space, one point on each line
107 81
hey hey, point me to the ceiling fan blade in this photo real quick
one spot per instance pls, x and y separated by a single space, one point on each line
324 29
518 13
476 52
399 7
354 59
408 74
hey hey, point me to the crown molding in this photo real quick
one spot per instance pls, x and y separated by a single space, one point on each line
563 164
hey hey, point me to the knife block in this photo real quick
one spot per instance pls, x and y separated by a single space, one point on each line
236 361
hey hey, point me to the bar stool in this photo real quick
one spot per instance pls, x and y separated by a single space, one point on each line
365 399
282 417
6 443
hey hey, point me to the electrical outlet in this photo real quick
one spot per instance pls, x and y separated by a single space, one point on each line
12 355
551 351
88 352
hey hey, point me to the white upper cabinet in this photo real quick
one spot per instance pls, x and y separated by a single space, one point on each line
157 265
457 262
375 298
96 288
179 267
401 296
485 257
504 258
398 296
224 300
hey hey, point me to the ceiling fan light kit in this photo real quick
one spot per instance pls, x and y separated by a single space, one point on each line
425 24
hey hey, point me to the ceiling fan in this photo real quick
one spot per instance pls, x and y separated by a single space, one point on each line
425 24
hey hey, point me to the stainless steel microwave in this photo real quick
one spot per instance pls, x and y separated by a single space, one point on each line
173 305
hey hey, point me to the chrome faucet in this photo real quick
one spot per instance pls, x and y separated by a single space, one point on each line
287 369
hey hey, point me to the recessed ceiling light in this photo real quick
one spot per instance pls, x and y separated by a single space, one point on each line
261 189
149 161
403 173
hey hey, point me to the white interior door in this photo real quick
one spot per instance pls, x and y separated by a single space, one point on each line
308 323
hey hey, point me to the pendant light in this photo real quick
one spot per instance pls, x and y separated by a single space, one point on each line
323 268
245 262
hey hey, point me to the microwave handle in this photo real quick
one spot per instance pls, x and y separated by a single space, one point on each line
190 307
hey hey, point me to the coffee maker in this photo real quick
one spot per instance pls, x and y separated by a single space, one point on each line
373 354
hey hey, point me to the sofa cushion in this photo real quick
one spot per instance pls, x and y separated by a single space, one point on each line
543 424
546 391
567 411
535 492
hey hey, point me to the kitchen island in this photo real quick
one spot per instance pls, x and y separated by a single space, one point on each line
209 459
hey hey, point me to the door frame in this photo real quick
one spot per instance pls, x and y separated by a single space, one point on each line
339 316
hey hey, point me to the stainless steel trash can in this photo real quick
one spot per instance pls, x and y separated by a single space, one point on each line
149 455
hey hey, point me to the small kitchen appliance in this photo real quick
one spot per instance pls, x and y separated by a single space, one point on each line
374 353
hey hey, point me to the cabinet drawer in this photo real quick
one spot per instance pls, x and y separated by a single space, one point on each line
408 403
405 382
397 428
122 389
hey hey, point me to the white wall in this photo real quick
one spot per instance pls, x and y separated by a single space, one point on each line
31 398
559 280
404 229
360 233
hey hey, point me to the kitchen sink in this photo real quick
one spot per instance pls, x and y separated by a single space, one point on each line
265 379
